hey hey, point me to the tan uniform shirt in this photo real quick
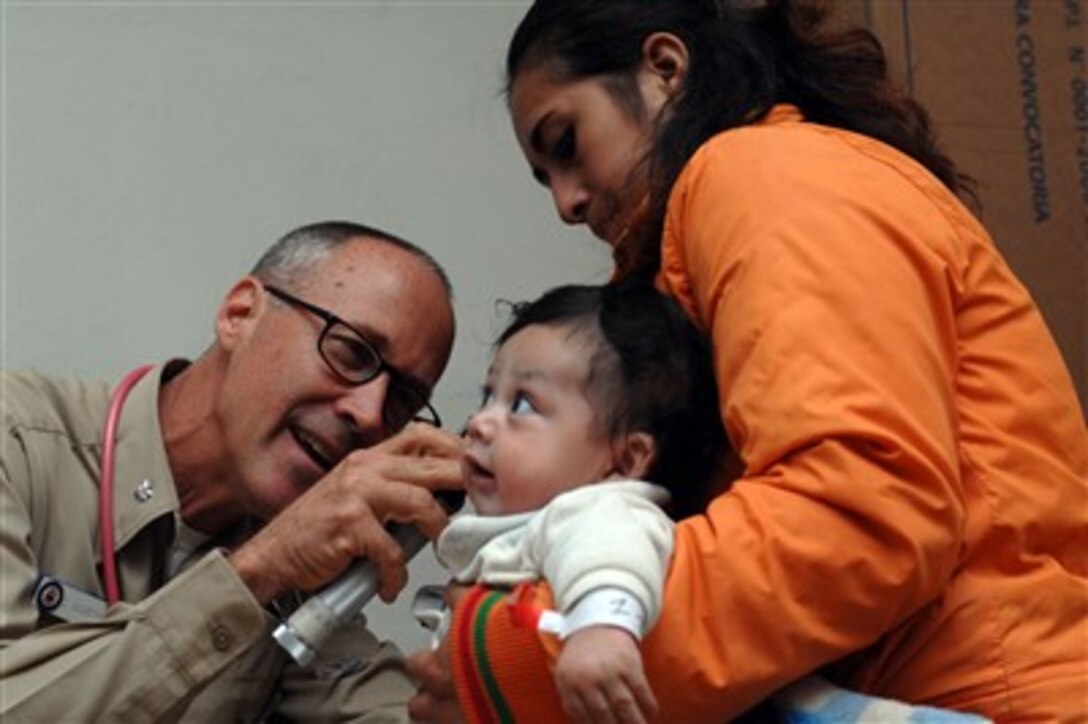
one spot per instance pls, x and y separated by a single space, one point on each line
195 648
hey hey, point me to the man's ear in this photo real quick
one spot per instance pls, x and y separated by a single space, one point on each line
665 58
239 311
634 454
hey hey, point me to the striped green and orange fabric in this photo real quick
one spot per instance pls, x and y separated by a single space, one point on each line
502 660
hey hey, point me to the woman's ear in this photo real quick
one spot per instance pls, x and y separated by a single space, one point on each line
238 312
665 58
634 454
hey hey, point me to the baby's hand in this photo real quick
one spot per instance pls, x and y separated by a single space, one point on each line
600 678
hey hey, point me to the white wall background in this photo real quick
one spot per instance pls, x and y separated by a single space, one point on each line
152 150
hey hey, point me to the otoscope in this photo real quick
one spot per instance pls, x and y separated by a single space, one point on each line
307 630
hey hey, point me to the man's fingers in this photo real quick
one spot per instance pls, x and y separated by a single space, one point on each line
432 473
384 497
392 575
423 439
398 502
429 471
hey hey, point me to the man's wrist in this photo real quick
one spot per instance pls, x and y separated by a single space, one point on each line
248 564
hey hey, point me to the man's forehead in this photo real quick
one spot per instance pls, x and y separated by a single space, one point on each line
373 268
391 295
367 254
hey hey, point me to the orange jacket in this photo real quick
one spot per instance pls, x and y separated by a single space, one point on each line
914 505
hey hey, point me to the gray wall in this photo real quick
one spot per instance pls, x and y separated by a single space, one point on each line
152 150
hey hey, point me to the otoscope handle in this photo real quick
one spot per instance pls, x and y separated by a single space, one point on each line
307 630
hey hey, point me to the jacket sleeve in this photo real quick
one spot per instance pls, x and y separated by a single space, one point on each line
827 277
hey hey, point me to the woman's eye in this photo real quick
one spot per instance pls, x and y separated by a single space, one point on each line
522 405
566 146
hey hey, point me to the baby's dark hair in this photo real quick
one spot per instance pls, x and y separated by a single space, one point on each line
651 371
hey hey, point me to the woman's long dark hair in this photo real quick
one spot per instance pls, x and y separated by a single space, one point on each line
745 57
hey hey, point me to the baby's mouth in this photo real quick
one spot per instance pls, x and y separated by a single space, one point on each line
476 474
478 470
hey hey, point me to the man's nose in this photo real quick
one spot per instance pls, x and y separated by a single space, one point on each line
571 199
364 405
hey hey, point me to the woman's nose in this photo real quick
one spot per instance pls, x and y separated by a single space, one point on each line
571 199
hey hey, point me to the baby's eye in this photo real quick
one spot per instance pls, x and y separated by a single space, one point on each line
522 405
486 397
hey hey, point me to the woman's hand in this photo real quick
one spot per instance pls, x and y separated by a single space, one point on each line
436 700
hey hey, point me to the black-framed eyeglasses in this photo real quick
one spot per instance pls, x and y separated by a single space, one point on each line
355 361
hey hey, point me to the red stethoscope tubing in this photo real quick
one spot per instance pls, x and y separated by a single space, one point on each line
105 486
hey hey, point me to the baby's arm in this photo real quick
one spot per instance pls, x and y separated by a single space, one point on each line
600 678
605 553
599 671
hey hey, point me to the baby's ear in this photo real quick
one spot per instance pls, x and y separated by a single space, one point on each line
634 454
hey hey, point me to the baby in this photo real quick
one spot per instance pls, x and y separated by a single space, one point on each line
599 408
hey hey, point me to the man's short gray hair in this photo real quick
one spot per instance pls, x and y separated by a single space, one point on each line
298 252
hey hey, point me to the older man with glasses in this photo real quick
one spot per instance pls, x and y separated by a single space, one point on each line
257 471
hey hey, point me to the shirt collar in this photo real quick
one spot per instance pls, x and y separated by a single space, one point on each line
143 486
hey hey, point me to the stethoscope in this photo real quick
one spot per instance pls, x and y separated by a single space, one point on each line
105 485
53 595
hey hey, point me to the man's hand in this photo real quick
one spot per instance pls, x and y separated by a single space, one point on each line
600 678
343 516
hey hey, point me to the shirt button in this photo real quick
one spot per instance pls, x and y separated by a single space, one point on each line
222 638
144 492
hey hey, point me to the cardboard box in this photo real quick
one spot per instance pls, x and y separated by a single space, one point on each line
1006 85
